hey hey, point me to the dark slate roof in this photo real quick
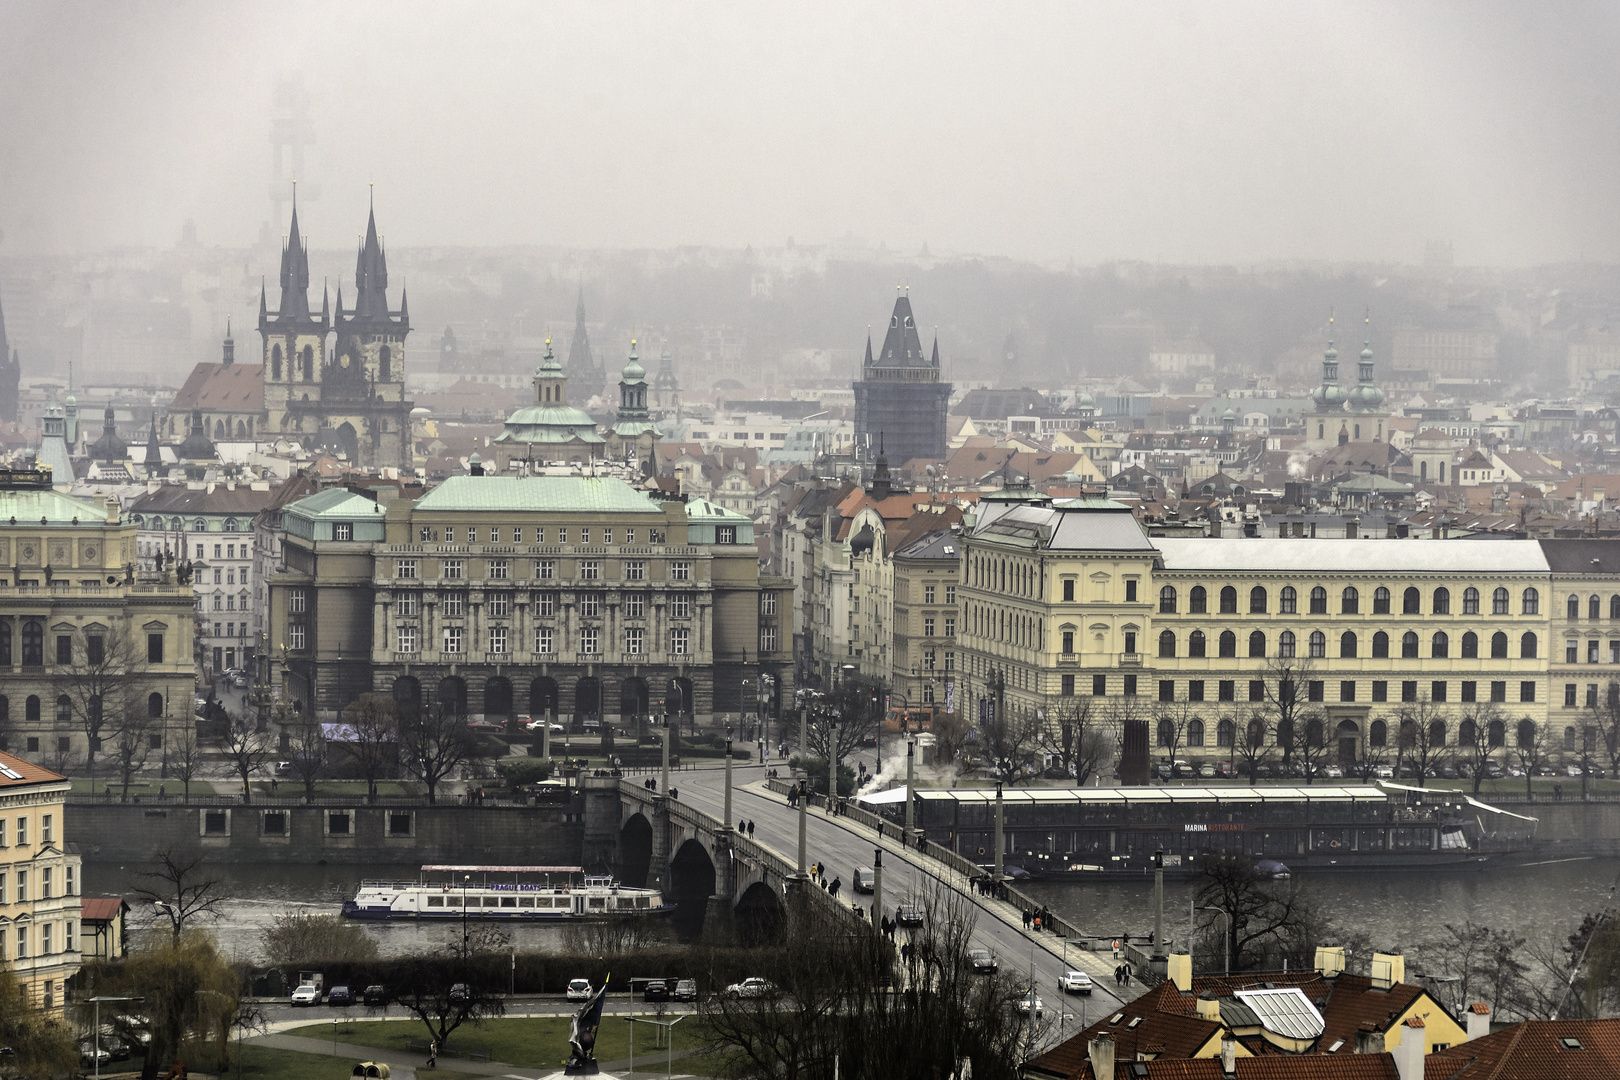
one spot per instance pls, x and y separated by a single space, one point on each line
1576 556
901 345
941 544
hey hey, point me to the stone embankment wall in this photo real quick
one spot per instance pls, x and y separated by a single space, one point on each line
1569 826
505 835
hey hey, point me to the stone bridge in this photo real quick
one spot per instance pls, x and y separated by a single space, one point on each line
725 886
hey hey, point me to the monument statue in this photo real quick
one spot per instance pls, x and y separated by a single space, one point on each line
582 1034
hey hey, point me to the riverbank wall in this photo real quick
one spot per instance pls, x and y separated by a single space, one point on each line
309 835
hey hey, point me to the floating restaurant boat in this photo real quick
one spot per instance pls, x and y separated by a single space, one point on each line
504 892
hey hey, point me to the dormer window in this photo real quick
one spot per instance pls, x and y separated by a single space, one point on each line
343 530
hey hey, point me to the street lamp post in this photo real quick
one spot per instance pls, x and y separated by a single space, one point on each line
664 776
1000 843
832 766
726 824
877 886
466 939
97 1048
1227 952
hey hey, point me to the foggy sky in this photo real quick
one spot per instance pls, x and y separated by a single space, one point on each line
1199 132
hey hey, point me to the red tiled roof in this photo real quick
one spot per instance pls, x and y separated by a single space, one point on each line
27 772
1269 1067
101 908
1533 1050
238 388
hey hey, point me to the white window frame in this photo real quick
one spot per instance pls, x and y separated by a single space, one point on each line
453 639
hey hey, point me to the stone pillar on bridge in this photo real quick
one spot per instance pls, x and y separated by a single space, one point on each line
662 831
719 921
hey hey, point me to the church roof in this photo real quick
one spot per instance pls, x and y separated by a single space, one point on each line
901 345
580 494
218 388
550 423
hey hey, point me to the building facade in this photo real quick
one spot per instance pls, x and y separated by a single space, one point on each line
546 595
40 883
926 575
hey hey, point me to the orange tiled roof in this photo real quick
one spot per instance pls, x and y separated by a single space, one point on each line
1533 1050
27 772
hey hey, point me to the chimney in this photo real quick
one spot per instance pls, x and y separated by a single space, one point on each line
1209 1006
1228 1056
1179 971
1350 527
1478 1020
1101 1052
1408 1054
1389 533
1369 1041
1329 960
1387 970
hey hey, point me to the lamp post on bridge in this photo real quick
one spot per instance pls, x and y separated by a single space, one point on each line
726 825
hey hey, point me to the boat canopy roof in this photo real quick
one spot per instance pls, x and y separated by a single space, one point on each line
1028 796
434 867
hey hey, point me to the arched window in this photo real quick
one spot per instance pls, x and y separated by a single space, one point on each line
1350 601
1195 732
1313 733
1526 734
1380 601
1198 600
1255 734
230 524
1225 733
275 361
1319 601
1411 602
1499 602
1495 734
1531 604
1470 601
1257 644
1167 733
1318 645
1437 733
31 709
33 644
1442 601
1287 603
309 363
1573 606
1378 733
1285 644
5 642
1347 645
1380 646
154 704
1527 647
1167 600
1499 646
1195 643
1594 607
1257 601
1167 644
1614 606
385 365
200 525
1569 738
1228 600
1440 645
1409 645
64 710
1228 644
1470 646
1467 733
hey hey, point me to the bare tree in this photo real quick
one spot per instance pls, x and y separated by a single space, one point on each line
433 743
101 685
185 753
306 746
1010 739
1084 742
1170 721
372 727
1317 742
1286 680
439 991
181 890
131 747
1478 738
852 713
1268 919
247 748
1530 747
1422 740
1371 755
1251 745
1605 716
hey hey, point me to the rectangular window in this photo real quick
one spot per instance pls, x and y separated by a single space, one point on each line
1527 691
450 534
154 648
45 831
1380 690
950 594
405 568
454 569
680 605
928 594
1347 690
545 569
1068 590
1571 699
64 649
1470 691
928 659
725 534
767 603
544 641
1130 591
1409 690
635 605
297 601
22 938
1099 686
405 639
1591 652
1437 690
635 570
545 605
562 535
1195 690
1068 643
455 604
452 639
1257 690
633 640
1226 690
1167 689
590 570
68 927
500 569
343 530
607 534
590 605
95 649
588 637
500 605
1572 652
1068 685
1591 695
928 628
295 636
71 890
950 626
517 534
1129 685
679 641
1499 691
22 886
1313 690
584 534
497 639
410 603
767 639
680 571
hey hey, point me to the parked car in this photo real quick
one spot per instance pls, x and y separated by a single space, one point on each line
540 725
340 996
983 961
375 994
1493 770
487 727
1516 771
752 988
1384 772
307 994
656 990
862 882
1206 771
1225 770
1333 772
685 990
459 992
1024 1002
90 1056
1572 770
909 915
1075 982
579 990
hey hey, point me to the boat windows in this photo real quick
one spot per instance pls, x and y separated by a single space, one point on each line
525 901
435 901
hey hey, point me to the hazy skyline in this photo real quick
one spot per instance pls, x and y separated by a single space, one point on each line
1189 133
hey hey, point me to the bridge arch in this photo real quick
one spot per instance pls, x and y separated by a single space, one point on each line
692 880
635 851
760 917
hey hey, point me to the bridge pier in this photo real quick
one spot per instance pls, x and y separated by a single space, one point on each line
663 851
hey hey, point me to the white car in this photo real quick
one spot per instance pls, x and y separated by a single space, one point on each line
579 990
540 725
1023 1003
752 988
308 994
1075 982
1384 772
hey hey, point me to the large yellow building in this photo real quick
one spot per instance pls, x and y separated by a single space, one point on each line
39 882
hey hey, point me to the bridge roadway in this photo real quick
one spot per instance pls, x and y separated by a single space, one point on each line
842 845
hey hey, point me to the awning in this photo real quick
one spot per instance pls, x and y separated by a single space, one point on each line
1469 799
884 798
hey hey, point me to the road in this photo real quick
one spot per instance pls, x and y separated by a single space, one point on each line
843 845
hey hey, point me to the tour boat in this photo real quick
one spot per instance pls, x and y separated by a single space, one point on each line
504 892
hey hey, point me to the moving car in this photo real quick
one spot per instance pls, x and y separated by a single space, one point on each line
752 988
579 990
375 994
487 727
90 1056
539 725
984 961
1075 982
909 915
863 879
1024 1002
308 994
655 990
340 996
685 990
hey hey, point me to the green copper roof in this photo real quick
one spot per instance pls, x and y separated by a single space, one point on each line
28 505
335 503
549 424
550 494
704 510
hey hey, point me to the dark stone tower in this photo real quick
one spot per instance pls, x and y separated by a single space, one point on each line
294 341
899 398
585 379
365 413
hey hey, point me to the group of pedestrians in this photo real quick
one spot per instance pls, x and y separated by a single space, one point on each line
1122 975
1038 920
745 828
984 885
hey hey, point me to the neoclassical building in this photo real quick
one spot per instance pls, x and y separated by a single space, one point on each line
551 431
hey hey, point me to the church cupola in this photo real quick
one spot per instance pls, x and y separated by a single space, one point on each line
228 354
550 381
1366 397
1329 397
633 388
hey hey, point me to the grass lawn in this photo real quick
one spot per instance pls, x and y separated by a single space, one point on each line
269 1063
292 787
529 1043
147 789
